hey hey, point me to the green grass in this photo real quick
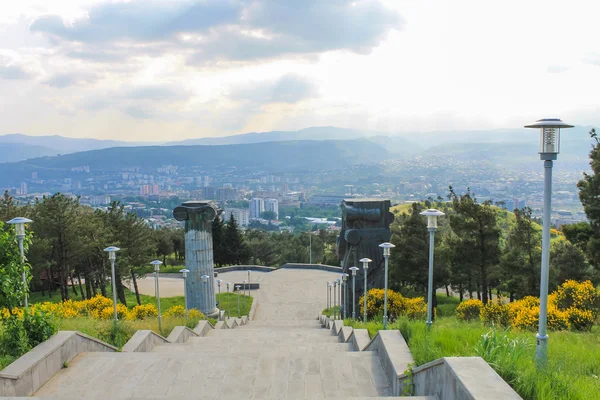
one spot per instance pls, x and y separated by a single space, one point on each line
573 359
328 312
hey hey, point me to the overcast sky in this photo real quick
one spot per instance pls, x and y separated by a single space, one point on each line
157 70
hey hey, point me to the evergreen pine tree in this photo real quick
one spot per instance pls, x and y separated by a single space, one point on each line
236 250
218 231
589 194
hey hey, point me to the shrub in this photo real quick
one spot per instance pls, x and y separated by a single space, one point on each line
13 338
580 320
580 295
525 314
175 311
398 305
97 304
195 314
38 325
109 312
469 310
496 313
142 312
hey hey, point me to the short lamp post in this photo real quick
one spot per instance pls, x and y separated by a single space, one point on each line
19 223
205 284
353 269
329 285
228 309
365 262
112 256
184 273
157 264
345 285
432 216
245 284
249 282
386 255
238 287
327 294
335 311
219 284
549 148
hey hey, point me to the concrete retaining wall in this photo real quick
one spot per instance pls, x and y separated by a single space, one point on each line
260 268
321 267
359 339
394 354
459 378
202 328
143 341
32 370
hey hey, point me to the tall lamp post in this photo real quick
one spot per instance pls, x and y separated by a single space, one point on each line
353 269
365 262
219 284
19 223
184 273
345 284
329 288
238 296
249 282
112 256
386 254
327 294
335 282
549 148
228 309
432 216
157 264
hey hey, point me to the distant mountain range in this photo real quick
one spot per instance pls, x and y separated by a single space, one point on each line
504 144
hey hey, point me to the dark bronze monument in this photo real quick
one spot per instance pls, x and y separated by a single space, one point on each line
365 225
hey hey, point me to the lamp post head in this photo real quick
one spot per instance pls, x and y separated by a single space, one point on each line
228 283
156 264
238 287
19 223
112 252
204 278
432 215
184 272
353 269
365 262
345 276
219 282
386 248
549 136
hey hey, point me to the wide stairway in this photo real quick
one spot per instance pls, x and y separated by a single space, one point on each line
264 359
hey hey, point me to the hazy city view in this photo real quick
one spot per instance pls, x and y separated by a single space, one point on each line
396 198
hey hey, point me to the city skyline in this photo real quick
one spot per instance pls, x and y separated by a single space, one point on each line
145 71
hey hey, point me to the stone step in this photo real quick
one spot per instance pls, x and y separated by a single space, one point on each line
279 324
226 347
235 340
220 376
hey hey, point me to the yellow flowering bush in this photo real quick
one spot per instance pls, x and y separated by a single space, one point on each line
469 310
580 295
142 312
109 312
194 313
580 320
398 305
97 304
495 313
175 311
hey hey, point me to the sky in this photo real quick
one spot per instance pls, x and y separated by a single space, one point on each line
161 70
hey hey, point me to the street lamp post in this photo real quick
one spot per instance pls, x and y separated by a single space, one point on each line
549 148
228 309
245 284
386 254
112 256
205 284
335 282
365 262
327 294
329 288
156 264
19 223
353 269
184 273
238 296
432 216
219 284
339 294
249 282
345 284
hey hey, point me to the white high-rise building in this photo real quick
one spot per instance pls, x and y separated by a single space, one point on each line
272 205
241 215
257 206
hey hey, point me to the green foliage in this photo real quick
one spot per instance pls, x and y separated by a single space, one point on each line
270 215
38 326
12 289
218 231
235 248
13 337
589 194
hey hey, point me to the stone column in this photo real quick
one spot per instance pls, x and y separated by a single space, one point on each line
198 217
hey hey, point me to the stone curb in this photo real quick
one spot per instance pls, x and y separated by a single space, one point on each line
203 327
180 334
143 341
221 325
31 371
359 339
253 308
394 354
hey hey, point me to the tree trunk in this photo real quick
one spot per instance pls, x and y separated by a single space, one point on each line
88 286
135 287
49 282
80 286
447 291
103 285
120 290
490 293
460 292
73 283
511 297
478 294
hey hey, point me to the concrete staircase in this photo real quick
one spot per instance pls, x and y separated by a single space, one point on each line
262 360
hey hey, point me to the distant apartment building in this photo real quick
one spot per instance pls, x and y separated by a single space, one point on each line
272 205
241 215
146 190
326 201
227 193
23 191
257 206
99 200
209 192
